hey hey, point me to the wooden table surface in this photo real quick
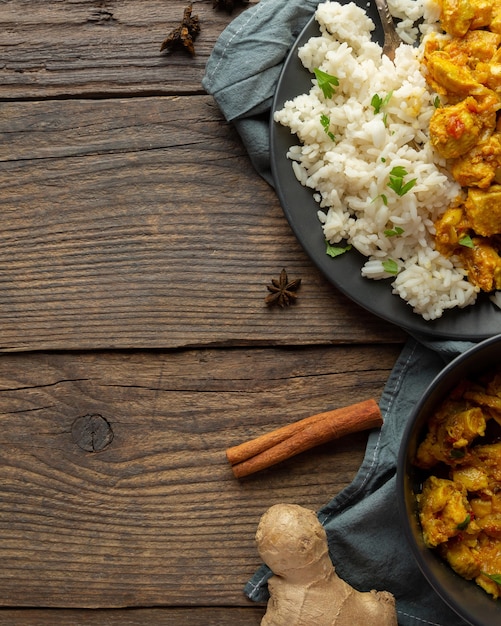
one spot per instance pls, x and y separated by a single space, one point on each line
137 243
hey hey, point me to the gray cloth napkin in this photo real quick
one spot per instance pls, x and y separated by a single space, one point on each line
244 67
367 544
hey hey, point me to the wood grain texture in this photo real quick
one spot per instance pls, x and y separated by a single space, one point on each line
157 518
96 48
140 223
165 616
137 243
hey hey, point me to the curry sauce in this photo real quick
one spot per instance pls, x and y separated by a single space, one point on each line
460 503
463 66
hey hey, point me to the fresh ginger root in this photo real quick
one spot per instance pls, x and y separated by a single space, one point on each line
305 589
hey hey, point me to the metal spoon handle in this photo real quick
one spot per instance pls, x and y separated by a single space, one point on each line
391 38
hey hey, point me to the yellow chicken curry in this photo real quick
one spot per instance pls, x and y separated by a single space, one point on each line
463 66
460 504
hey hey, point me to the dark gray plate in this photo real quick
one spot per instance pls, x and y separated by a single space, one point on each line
476 322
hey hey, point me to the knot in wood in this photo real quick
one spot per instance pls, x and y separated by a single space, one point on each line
92 433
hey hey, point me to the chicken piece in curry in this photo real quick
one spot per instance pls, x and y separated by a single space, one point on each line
460 503
463 66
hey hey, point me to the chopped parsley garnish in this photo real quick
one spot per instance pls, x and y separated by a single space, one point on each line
394 232
335 251
465 523
436 103
456 453
383 197
396 183
390 266
326 82
466 241
325 120
378 103
495 577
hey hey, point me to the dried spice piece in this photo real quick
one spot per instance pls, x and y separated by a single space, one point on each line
184 35
282 291
287 441
227 5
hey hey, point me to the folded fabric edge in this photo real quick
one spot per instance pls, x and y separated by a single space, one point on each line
256 588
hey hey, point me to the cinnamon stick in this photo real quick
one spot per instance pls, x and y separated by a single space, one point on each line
287 441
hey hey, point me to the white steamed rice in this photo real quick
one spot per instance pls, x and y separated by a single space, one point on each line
349 175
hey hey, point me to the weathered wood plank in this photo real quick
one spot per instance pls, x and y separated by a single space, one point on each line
93 48
156 518
120 214
140 223
208 616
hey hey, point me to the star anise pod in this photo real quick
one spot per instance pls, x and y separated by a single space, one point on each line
227 5
185 34
282 291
